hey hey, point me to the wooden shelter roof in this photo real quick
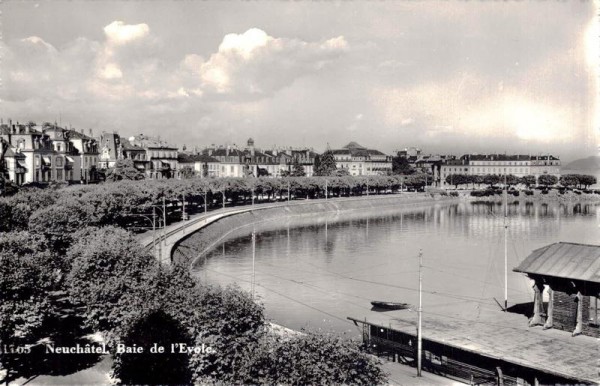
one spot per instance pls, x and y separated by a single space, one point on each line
564 260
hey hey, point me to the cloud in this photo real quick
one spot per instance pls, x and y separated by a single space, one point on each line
254 63
119 33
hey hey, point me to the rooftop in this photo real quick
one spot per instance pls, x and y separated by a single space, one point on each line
564 260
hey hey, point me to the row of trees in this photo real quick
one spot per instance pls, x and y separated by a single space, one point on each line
64 259
58 213
546 180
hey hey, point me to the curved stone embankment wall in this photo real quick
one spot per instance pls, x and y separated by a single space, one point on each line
198 243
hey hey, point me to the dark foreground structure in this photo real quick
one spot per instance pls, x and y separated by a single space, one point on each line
559 344
570 274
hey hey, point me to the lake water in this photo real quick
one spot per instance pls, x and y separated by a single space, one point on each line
313 272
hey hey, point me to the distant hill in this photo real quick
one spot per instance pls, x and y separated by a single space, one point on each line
589 163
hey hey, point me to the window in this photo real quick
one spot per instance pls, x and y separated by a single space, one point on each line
59 175
59 162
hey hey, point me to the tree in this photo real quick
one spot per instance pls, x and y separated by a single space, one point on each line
569 180
25 279
400 165
232 324
547 180
311 359
297 169
186 172
587 180
107 264
156 329
528 181
124 169
510 179
491 179
458 179
327 164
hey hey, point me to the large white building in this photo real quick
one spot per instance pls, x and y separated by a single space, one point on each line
360 161
501 164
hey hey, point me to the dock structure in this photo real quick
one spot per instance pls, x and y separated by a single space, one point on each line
496 347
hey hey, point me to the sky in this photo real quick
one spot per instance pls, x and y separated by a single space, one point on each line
446 76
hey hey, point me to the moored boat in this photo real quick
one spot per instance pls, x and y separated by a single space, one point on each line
390 305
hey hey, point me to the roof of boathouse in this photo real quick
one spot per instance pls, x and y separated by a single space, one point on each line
564 260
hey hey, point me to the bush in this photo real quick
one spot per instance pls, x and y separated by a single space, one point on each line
528 192
453 194
313 359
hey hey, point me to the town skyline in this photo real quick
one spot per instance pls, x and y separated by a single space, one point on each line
458 78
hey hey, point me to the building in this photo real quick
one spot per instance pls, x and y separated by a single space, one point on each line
231 161
110 150
500 164
39 154
254 162
161 155
89 154
360 161
201 165
570 274
66 159
138 155
13 166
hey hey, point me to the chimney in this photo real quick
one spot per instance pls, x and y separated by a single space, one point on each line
91 134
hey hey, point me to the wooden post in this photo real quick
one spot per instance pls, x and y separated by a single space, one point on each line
500 376
550 314
538 305
579 326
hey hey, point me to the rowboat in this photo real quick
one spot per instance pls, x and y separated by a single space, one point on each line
389 305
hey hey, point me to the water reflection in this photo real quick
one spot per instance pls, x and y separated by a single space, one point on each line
315 271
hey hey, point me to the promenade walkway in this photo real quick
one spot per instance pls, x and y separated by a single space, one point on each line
175 232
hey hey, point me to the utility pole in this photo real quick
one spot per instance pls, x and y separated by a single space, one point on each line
419 328
505 244
223 193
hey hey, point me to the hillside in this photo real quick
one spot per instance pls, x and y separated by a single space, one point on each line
589 163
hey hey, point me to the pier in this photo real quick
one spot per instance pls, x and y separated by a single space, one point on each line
496 347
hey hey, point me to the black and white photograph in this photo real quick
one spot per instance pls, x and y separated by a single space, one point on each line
342 192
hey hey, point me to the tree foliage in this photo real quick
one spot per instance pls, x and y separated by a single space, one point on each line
297 169
124 169
400 165
327 164
547 180
311 359
528 181
108 266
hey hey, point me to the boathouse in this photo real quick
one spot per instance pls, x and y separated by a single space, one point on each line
570 275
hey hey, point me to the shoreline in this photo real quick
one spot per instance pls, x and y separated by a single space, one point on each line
214 232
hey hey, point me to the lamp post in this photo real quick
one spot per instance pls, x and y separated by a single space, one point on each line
152 220
326 190
162 236
205 202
